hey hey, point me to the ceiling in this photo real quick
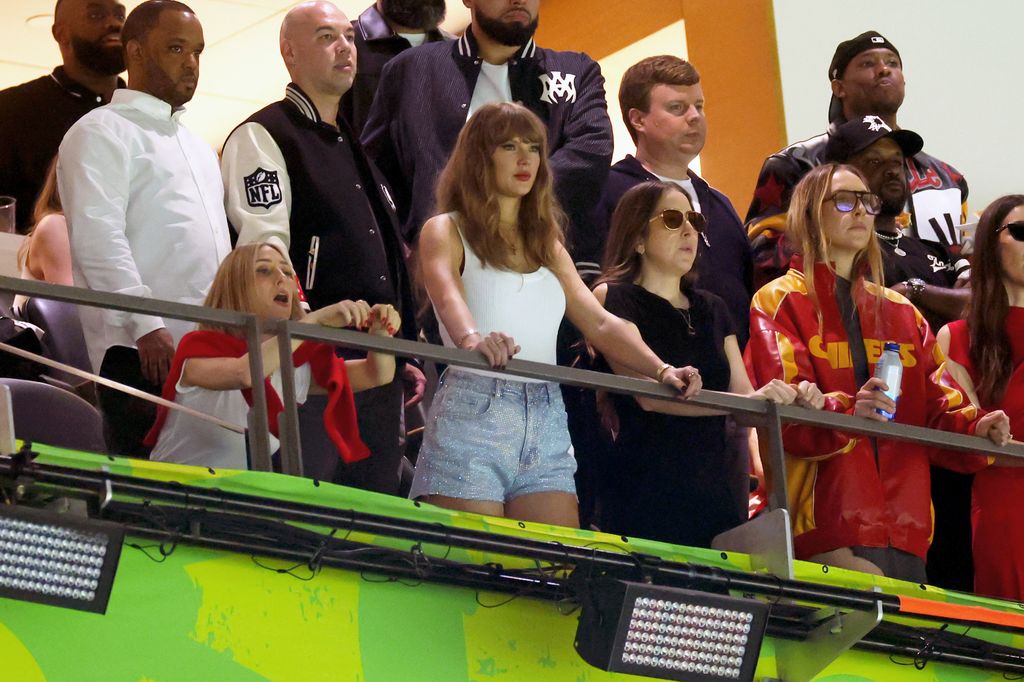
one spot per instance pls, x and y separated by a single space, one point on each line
241 67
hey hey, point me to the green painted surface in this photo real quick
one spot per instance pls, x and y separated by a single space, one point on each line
210 615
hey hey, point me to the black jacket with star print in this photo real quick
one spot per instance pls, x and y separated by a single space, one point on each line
937 205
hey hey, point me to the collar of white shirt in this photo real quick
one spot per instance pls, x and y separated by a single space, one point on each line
149 105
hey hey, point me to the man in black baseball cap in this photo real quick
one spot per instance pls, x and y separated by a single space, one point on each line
866 74
866 77
924 272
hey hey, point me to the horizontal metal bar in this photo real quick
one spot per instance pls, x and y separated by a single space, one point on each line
748 410
123 302
752 410
895 431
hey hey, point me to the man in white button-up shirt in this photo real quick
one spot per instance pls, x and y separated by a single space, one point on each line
144 202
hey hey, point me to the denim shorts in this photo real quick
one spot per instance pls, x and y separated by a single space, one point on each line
494 440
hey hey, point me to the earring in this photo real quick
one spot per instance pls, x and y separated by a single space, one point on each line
640 249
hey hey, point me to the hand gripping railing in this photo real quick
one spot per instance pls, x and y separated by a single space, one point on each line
747 411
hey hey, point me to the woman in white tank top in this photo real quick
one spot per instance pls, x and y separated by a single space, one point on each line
500 280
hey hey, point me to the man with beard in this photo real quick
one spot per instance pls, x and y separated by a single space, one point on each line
427 94
923 271
926 273
295 176
35 115
384 30
144 203
866 74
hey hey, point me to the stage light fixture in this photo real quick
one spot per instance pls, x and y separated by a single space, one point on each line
57 559
669 633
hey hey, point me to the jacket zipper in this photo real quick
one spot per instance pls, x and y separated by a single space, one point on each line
314 254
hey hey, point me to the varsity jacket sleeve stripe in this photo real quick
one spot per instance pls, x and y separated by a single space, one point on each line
250 155
948 408
776 351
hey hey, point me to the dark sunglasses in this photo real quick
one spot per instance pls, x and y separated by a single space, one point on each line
1016 230
673 219
846 200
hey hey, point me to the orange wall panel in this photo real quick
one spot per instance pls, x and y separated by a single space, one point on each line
601 27
732 44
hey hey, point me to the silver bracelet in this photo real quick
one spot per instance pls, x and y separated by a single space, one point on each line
466 335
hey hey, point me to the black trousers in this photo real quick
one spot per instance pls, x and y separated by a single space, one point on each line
126 419
380 418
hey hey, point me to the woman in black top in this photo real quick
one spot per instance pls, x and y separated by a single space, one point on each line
671 476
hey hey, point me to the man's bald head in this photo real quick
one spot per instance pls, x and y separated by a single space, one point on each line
317 45
300 17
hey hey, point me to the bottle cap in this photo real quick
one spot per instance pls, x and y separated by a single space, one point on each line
892 345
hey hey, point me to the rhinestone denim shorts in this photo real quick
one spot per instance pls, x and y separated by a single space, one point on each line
494 440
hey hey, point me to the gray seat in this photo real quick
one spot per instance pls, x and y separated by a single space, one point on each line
64 341
50 415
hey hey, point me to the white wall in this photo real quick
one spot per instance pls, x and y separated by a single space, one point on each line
963 63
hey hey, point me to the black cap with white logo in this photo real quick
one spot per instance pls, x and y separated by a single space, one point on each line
856 136
845 52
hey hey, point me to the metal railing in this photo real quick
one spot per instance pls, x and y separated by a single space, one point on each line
764 415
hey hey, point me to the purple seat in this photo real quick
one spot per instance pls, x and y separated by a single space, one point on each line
64 341
50 415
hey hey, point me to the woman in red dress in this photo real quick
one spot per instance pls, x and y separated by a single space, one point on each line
986 353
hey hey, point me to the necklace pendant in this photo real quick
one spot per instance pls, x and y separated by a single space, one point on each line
899 252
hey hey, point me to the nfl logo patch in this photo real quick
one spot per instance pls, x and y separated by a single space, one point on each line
262 188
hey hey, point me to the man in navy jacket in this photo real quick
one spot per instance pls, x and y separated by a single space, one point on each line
385 29
426 95
663 107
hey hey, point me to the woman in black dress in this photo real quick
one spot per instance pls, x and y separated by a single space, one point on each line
672 476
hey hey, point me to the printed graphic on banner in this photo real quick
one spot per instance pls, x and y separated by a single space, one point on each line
937 215
262 188
558 86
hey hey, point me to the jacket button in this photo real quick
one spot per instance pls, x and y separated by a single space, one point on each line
383 278
463 105
358 186
373 231
340 138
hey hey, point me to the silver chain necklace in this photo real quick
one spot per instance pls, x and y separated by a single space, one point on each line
685 312
894 240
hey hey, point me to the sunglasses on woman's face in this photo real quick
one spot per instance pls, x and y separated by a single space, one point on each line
846 200
673 219
1016 230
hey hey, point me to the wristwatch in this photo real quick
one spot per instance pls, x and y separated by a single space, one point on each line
915 287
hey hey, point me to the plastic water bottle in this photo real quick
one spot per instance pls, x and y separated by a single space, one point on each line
890 370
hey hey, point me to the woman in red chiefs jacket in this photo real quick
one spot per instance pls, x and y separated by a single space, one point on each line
856 502
986 355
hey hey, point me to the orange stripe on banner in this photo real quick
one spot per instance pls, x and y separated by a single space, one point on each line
974 614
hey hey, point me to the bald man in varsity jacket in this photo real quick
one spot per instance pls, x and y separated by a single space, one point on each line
295 177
